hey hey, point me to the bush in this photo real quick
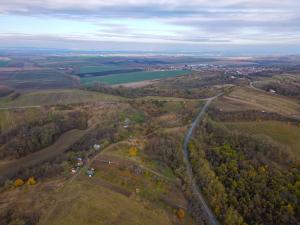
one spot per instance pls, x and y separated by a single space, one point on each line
31 181
18 182
180 213
133 151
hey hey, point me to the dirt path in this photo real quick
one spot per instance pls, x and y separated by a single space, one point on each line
9 168
21 107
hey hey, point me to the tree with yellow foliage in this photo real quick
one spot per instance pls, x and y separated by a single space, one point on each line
18 182
180 213
133 151
31 181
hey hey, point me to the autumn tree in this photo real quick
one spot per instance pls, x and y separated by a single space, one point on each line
133 151
18 182
180 213
31 181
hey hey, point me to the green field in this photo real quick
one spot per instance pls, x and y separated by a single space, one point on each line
55 97
3 63
133 77
39 80
95 69
281 132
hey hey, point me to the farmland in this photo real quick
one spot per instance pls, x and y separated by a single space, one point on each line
55 97
34 80
3 63
95 69
133 77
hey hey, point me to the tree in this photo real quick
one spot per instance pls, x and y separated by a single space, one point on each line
180 213
133 151
18 182
31 181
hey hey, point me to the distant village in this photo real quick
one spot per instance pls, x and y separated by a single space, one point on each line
232 70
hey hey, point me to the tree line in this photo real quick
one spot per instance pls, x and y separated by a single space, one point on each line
33 136
246 180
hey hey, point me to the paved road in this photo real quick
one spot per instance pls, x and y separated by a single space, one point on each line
211 217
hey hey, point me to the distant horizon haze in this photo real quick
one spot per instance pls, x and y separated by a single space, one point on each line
230 27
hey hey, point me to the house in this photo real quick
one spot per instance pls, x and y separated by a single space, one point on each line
126 123
90 172
96 147
79 162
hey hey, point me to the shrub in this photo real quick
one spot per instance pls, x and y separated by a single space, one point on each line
133 151
180 213
31 181
18 182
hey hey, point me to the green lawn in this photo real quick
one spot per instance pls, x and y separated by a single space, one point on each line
133 77
281 132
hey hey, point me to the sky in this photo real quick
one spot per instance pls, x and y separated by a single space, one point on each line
242 26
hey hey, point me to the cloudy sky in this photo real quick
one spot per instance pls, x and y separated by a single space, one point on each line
165 25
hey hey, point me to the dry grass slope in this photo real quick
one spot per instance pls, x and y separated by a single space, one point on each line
85 202
265 101
55 97
281 132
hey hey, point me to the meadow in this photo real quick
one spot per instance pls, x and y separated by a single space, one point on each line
282 132
133 77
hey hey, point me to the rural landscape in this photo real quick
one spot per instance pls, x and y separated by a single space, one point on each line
149 112
184 140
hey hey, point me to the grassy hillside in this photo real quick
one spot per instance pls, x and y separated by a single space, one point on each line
53 97
265 101
111 196
11 118
281 132
85 202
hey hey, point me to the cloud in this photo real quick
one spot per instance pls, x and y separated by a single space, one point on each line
163 21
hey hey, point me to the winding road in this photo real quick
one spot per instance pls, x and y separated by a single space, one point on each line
210 215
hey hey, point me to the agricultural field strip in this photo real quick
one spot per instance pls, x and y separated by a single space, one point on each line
133 77
21 107
148 98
